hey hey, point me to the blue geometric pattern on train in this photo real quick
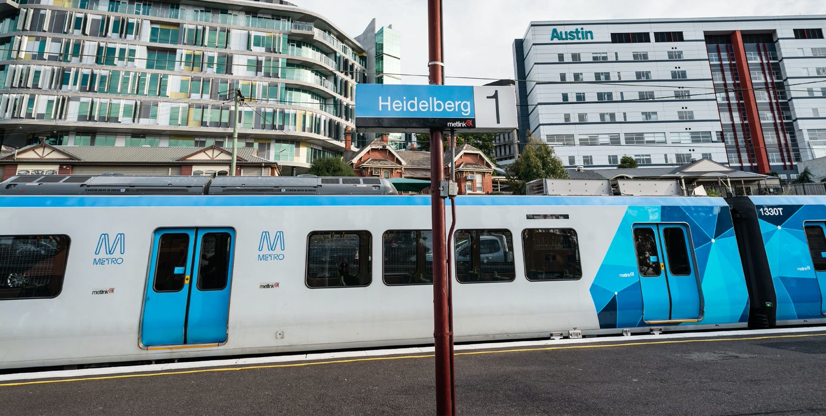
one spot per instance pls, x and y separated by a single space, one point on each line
616 288
793 274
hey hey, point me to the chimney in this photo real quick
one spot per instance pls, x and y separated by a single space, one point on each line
385 138
348 139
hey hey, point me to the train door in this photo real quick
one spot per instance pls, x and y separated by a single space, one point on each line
188 289
668 277
816 237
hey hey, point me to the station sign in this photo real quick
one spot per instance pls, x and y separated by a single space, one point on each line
418 108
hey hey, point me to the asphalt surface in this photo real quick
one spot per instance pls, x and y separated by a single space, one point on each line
751 375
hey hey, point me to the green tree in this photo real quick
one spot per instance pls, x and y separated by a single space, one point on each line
331 166
805 176
627 162
482 141
537 161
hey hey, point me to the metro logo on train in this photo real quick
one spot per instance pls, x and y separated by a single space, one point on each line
276 242
110 247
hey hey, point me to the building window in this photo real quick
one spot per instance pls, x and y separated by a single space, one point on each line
649 116
605 96
639 56
563 77
339 259
551 254
578 77
583 117
32 266
599 56
580 97
408 257
707 156
587 160
484 256
682 94
566 117
613 160
604 139
675 55
685 115
642 74
821 71
571 160
646 95
643 159
638 37
683 158
602 76
560 57
607 117
692 137
679 75
644 138
668 37
560 139
818 51
575 57
564 97
808 33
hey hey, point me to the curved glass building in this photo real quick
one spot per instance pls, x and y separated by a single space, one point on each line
164 74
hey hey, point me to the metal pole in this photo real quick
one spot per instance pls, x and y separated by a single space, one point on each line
441 321
235 135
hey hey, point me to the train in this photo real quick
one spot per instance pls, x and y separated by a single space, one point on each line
117 269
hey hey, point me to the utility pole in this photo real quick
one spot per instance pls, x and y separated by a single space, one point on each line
238 98
441 308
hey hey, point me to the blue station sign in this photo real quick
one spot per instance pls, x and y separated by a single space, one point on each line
399 108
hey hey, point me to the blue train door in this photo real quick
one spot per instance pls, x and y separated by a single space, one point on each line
187 292
816 237
668 278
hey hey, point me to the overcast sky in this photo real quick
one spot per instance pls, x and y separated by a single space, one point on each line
479 33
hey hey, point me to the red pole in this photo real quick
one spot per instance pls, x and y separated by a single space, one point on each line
441 322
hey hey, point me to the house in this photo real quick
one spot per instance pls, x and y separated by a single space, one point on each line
473 169
93 160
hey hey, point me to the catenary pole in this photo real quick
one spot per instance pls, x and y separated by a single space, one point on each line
235 135
441 328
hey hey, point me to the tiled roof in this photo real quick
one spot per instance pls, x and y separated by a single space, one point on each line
666 173
380 163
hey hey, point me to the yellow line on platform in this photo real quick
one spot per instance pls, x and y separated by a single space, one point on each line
409 357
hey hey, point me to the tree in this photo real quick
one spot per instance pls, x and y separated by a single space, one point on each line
627 162
482 141
537 161
331 166
805 176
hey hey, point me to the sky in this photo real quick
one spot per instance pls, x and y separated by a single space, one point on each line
479 34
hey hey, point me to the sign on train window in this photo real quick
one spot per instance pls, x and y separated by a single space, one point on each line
32 266
551 254
339 259
408 257
817 246
648 257
484 256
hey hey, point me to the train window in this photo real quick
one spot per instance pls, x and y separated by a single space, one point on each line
32 266
484 256
817 246
679 263
408 258
648 257
339 259
551 254
215 258
173 259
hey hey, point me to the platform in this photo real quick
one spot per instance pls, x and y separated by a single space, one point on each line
726 372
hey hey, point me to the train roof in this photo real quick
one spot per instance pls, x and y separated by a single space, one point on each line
193 185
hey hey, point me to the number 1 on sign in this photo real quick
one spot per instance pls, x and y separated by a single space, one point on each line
495 98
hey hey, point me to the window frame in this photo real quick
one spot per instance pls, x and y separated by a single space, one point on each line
368 268
418 252
455 256
575 246
65 264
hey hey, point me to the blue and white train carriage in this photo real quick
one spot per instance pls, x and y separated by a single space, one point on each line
94 278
